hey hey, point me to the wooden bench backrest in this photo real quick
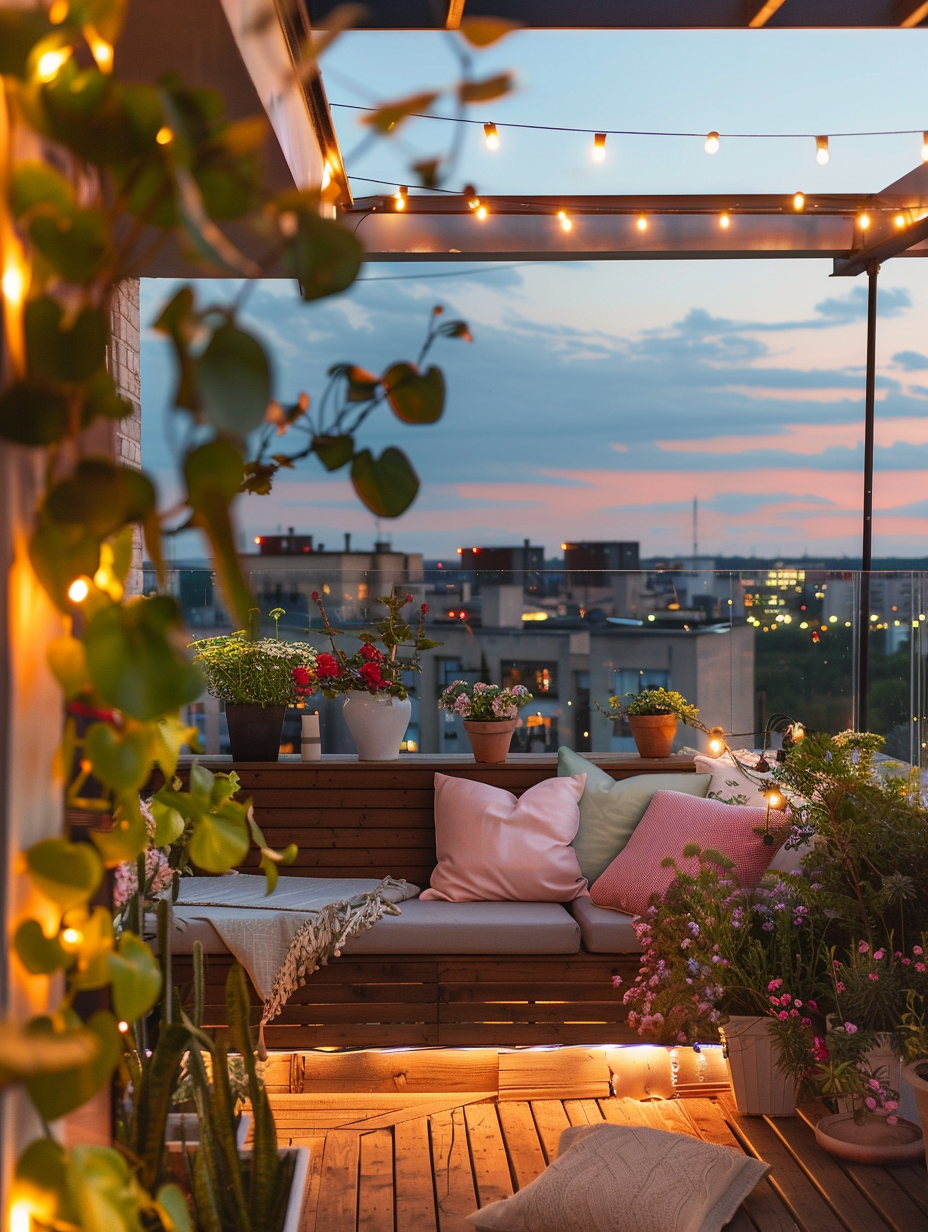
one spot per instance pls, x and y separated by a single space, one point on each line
376 819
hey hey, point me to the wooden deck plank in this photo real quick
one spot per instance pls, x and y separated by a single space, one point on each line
526 1158
673 1117
550 1121
375 1186
337 1209
455 1191
914 1180
577 1113
887 1196
415 1192
444 1103
488 1153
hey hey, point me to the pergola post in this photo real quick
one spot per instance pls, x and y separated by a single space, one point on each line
863 614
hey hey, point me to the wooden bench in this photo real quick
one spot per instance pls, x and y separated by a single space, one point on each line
373 819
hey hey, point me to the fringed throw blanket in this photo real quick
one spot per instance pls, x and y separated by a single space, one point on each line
282 938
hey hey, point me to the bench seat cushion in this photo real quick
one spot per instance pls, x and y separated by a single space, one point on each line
437 928
603 931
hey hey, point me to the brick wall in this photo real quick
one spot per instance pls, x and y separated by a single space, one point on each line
123 362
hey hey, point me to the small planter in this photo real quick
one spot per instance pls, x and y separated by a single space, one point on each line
377 723
885 1064
653 733
761 1087
872 1142
490 741
254 731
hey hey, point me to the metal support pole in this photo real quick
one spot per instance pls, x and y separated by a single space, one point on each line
863 614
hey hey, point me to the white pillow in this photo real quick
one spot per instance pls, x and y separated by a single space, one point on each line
729 783
622 1178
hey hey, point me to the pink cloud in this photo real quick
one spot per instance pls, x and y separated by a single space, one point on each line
809 439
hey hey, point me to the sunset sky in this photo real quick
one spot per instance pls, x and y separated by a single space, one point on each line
597 400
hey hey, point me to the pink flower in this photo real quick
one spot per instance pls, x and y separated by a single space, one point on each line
863 948
850 1028
873 976
774 984
917 949
878 954
920 968
839 986
870 1102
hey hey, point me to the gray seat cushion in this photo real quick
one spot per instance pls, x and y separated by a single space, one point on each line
435 928
604 931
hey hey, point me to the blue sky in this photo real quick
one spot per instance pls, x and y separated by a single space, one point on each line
598 399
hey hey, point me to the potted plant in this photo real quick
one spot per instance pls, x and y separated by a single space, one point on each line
257 678
652 716
490 713
376 698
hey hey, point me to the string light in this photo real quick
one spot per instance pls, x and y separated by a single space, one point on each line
50 63
100 49
799 201
566 224
925 147
712 143
164 136
399 200
863 221
716 741
599 147
79 590
724 222
899 220
14 284
821 151
482 212
72 937
58 12
642 223
491 136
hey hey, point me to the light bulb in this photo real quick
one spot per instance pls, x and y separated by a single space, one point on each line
925 147
716 741
712 143
58 12
20 1216
599 148
491 136
100 49
863 221
482 212
799 201
899 220
50 63
14 284
399 199
642 223
821 150
72 936
724 222
566 224
79 590
326 175
164 136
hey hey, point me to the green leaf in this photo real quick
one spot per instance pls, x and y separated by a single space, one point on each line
137 659
333 451
483 31
101 401
135 976
386 117
64 353
67 873
33 184
362 386
388 484
121 760
486 90
59 554
42 1181
59 1093
103 1190
31 414
233 380
66 658
128 836
20 30
172 1209
323 257
75 242
101 496
40 955
220 840
415 398
214 474
169 825
171 734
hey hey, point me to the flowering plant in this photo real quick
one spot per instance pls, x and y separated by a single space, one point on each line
257 671
653 701
484 703
371 670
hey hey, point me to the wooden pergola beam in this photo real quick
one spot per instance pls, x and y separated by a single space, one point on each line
892 246
454 15
759 12
912 13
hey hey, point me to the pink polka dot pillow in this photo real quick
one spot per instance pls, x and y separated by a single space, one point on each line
673 820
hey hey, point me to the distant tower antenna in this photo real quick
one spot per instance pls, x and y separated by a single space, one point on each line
695 530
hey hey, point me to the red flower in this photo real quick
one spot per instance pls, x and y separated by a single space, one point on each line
327 667
371 653
424 608
370 674
315 596
301 676
409 598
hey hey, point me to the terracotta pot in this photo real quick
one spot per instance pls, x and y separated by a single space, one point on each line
653 733
761 1087
490 741
377 723
254 731
873 1142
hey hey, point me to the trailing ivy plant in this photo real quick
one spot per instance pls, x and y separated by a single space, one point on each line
122 171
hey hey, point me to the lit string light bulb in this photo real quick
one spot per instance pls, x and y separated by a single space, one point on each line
399 199
491 136
712 143
50 63
724 222
599 147
821 151
642 223
899 220
566 224
863 221
79 590
482 212
799 201
716 743
100 49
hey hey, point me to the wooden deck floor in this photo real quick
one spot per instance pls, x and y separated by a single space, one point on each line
423 1162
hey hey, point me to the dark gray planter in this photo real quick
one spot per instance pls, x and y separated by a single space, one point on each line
254 731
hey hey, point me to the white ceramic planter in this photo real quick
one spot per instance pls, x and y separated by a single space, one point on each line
919 1088
887 1066
761 1088
377 723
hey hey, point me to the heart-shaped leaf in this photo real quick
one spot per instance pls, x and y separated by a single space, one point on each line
42 1182
486 90
67 873
220 840
30 414
173 1210
103 1191
59 554
388 484
101 496
68 663
59 352
57 1094
483 31
333 451
135 976
386 117
38 184
101 401
214 474
121 760
415 398
95 929
128 836
40 955
169 825
323 257
233 379
73 241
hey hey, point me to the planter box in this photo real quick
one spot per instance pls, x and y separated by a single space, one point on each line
761 1088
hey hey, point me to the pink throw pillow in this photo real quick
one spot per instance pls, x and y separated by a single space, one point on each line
494 846
671 821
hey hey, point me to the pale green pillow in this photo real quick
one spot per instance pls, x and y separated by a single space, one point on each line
610 809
